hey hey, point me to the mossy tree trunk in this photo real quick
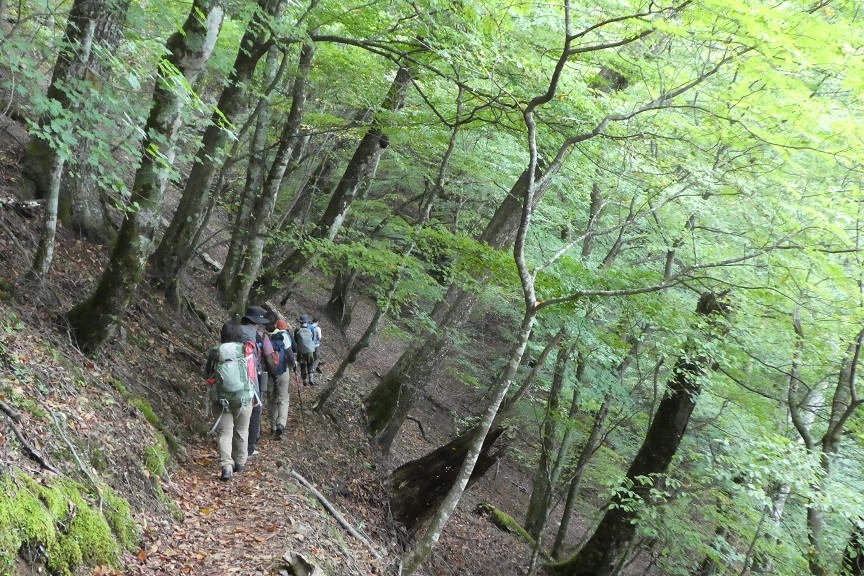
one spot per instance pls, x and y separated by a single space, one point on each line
606 548
178 244
97 318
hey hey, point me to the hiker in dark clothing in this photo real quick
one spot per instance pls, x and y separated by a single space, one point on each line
304 340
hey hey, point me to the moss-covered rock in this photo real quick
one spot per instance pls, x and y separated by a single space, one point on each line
57 519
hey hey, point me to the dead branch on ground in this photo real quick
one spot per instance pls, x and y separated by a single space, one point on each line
31 452
330 508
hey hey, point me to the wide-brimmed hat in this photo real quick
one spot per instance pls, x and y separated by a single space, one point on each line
255 314
303 319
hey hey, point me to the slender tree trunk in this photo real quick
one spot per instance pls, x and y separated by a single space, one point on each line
606 549
424 545
588 451
91 23
264 204
177 245
543 485
98 317
359 172
389 403
256 170
592 444
434 488
352 356
38 272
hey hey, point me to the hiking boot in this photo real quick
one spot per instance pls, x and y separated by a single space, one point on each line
226 473
279 431
253 453
238 468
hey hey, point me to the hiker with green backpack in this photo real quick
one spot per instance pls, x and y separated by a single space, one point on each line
231 369
236 400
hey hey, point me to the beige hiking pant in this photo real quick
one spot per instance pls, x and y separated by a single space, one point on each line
232 435
278 401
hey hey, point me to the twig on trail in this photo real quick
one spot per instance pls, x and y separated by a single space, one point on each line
74 453
31 452
419 425
336 514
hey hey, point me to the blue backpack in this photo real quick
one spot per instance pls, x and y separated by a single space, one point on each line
279 346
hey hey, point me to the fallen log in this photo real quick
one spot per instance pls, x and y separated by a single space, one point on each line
330 508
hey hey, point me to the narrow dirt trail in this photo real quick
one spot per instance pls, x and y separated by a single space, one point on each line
246 525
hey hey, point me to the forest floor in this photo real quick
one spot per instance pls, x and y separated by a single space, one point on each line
245 526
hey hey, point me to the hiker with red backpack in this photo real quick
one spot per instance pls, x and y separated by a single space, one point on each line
265 366
305 342
283 355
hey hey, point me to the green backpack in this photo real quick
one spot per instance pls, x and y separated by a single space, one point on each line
233 382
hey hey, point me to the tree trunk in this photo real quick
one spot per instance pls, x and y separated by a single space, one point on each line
360 171
177 246
456 486
91 23
418 487
588 451
592 444
352 356
97 318
543 484
391 400
38 272
264 204
606 549
340 306
463 441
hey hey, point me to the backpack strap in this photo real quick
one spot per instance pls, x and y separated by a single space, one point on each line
224 404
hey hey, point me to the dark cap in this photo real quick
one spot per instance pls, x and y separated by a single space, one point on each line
255 314
303 319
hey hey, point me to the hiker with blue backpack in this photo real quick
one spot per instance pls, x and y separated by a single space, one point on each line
305 342
283 354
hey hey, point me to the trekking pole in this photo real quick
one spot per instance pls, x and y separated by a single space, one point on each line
300 401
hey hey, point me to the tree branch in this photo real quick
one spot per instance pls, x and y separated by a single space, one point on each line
31 452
